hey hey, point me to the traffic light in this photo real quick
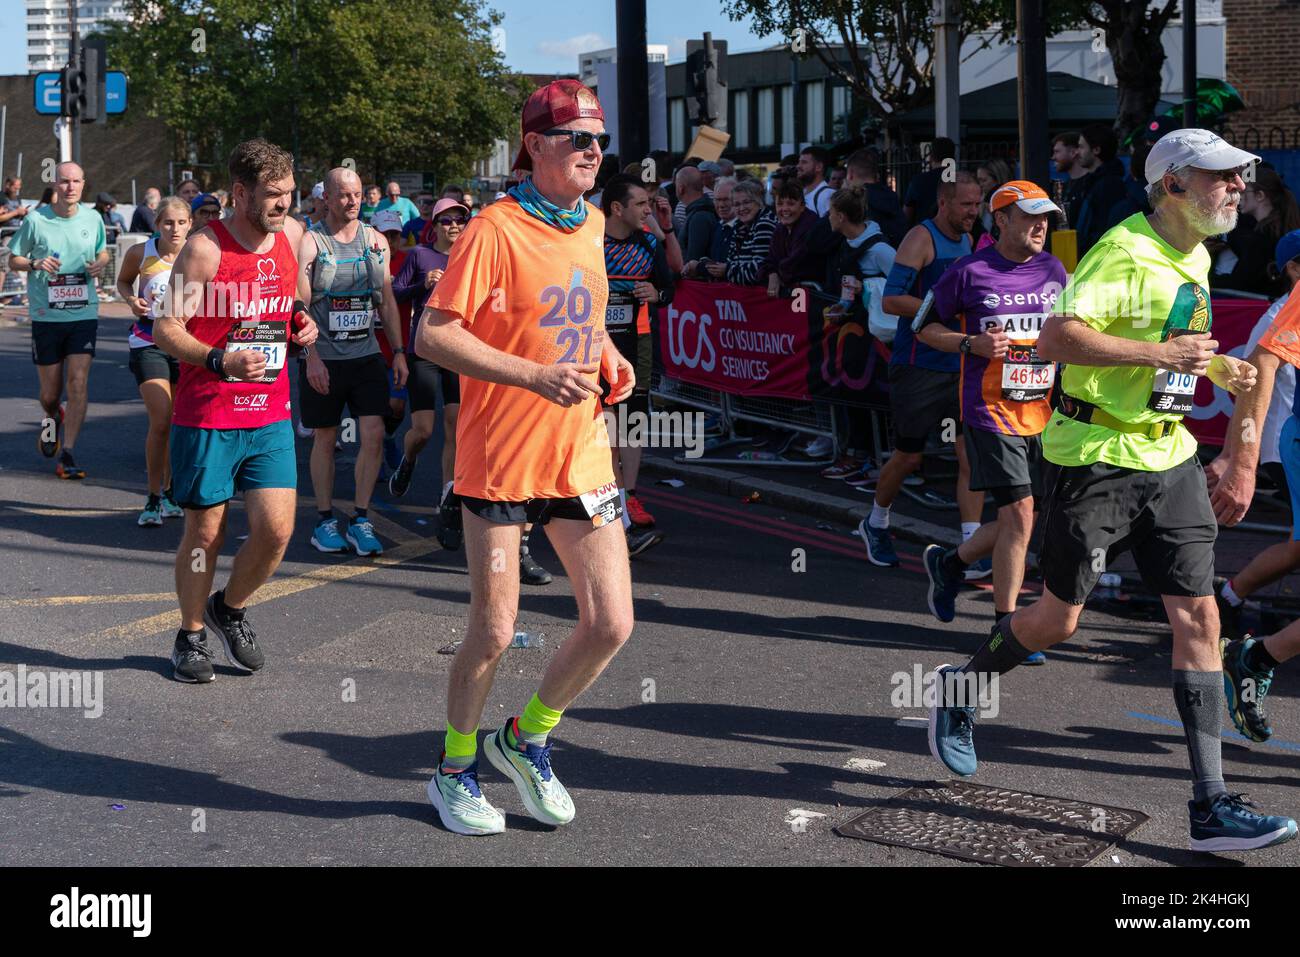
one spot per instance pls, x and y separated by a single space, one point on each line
93 53
72 83
82 84
706 79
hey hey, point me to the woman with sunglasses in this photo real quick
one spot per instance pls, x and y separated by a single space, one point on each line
415 284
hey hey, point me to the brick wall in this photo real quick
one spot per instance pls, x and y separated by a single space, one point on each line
133 146
1263 37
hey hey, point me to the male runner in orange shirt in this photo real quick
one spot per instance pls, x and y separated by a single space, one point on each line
520 315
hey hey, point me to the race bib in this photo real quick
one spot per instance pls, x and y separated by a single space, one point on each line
602 504
1025 377
1173 392
350 317
620 311
269 338
69 291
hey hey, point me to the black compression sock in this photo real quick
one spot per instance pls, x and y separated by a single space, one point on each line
952 562
1000 653
326 514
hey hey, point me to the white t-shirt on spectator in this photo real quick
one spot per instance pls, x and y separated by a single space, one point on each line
818 199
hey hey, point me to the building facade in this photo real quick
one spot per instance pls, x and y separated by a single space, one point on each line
49 27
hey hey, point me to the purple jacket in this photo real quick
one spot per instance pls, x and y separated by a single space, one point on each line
786 254
409 281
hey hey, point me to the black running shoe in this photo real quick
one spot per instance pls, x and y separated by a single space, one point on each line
50 448
451 524
1245 689
531 573
236 635
400 480
638 542
192 658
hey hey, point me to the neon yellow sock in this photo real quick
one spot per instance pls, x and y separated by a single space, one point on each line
538 721
460 748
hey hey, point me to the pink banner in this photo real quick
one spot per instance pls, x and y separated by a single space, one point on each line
1231 323
736 339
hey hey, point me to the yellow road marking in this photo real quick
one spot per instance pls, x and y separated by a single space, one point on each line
84 600
284 587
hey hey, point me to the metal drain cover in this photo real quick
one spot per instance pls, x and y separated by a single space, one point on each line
974 822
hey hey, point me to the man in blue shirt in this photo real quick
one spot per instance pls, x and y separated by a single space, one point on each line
395 200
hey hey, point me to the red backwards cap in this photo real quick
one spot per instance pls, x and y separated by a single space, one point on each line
553 105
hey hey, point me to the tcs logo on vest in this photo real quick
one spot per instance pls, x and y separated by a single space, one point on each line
688 340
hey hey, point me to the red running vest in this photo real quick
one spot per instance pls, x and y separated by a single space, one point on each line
247 305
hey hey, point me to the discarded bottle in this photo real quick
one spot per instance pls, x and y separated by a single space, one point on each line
1109 580
526 639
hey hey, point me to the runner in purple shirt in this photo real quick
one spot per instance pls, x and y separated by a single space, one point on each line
989 308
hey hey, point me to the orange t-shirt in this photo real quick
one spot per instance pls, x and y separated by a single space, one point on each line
530 290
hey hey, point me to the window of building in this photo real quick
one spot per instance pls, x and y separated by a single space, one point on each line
841 101
740 119
677 125
815 111
787 114
766 116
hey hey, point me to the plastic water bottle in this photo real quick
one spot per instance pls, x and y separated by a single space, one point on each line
526 639
1109 580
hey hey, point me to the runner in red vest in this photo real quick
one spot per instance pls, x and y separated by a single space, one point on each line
234 294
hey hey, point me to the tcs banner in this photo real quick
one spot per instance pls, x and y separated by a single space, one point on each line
738 340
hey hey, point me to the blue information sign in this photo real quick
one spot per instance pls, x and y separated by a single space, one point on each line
49 95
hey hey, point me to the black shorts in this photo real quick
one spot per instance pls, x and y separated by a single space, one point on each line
1009 467
360 384
424 381
52 342
921 400
637 349
537 511
150 362
1097 511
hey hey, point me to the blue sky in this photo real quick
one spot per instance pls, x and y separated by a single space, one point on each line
541 36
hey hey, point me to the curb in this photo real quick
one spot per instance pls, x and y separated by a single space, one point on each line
804 501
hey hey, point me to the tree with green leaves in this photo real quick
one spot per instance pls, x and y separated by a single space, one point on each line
884 44
387 84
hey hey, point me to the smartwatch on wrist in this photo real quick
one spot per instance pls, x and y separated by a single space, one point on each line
965 345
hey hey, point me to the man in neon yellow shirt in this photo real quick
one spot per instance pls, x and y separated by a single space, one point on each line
1133 328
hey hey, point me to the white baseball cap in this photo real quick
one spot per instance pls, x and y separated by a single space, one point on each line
1203 149
386 220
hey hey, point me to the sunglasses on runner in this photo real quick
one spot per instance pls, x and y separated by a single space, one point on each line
448 220
1226 175
581 139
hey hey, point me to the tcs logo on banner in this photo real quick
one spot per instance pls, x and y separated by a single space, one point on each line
689 344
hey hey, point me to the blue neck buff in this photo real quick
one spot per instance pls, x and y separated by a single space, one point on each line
565 220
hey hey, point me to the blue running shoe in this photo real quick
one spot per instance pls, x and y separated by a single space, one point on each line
942 596
880 545
325 536
1231 825
1245 690
361 536
979 570
1035 658
952 730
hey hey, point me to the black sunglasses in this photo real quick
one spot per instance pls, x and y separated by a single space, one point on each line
448 220
581 139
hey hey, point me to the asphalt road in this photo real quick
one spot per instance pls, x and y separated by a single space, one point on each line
758 680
